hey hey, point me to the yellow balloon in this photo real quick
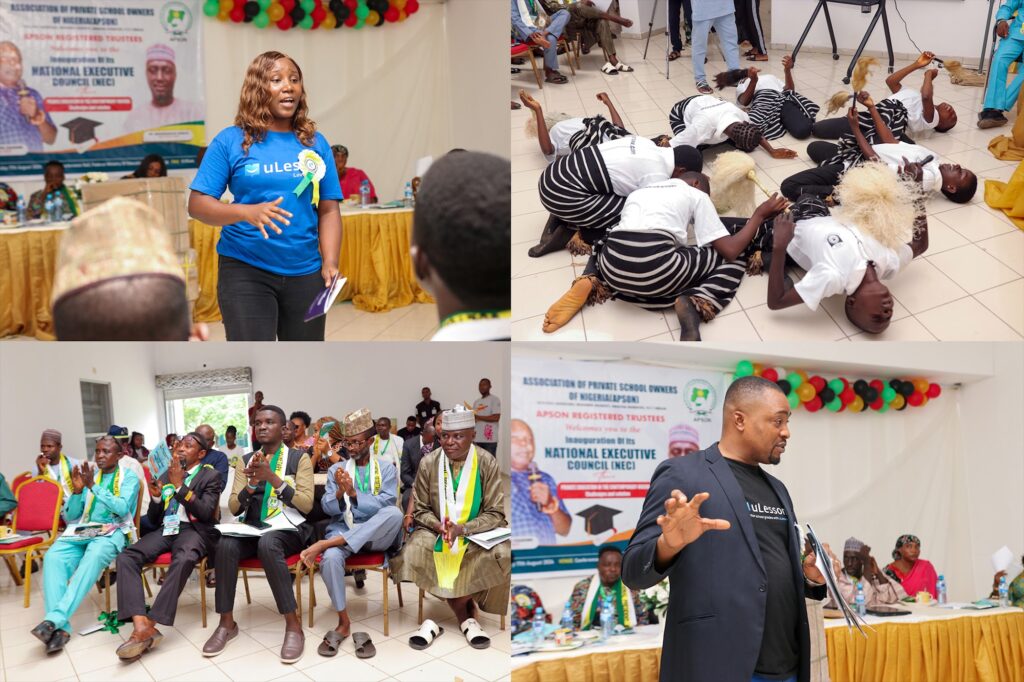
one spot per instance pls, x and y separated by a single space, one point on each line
226 6
898 402
399 4
372 18
802 373
330 21
402 16
921 385
758 368
276 12
805 392
223 16
858 404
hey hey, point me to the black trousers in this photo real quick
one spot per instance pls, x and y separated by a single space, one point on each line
186 548
748 24
831 128
819 181
272 549
794 121
260 306
673 21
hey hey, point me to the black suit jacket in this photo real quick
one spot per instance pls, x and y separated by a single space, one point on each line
718 584
204 507
411 457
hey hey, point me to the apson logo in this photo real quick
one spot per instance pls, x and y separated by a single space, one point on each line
176 18
699 396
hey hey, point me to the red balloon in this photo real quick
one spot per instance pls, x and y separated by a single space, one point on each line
411 6
846 384
877 385
351 4
934 390
878 404
847 396
318 14
391 14
237 14
818 383
813 405
285 23
288 5
352 20
915 399
770 374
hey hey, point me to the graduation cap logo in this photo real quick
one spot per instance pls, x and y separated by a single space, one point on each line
598 519
81 129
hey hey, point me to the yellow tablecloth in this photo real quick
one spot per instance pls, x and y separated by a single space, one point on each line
944 647
28 262
374 256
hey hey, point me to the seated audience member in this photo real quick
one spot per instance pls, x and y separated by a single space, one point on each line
327 450
152 166
128 461
232 449
909 569
462 222
301 439
118 279
8 502
705 120
437 556
8 198
525 27
588 595
593 26
101 494
138 446
272 485
214 457
351 178
384 445
360 499
53 176
1016 587
860 566
413 450
53 463
183 504
410 429
537 511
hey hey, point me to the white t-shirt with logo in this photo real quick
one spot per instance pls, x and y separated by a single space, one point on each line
670 206
706 119
892 155
635 162
835 257
765 81
487 432
911 98
560 134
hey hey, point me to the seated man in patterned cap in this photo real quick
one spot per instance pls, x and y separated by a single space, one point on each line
53 463
361 499
860 566
704 120
458 492
272 486
118 279
588 595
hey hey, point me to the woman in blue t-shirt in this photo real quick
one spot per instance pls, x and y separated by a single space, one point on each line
281 238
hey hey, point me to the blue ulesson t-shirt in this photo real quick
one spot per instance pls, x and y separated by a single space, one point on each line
270 170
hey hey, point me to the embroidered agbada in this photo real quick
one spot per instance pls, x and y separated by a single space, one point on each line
579 604
369 484
461 502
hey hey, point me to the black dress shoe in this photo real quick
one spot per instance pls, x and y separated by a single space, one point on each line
57 641
44 631
360 577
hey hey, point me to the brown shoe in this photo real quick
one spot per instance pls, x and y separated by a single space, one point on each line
139 643
219 640
294 645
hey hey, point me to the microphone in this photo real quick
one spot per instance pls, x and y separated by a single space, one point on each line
534 477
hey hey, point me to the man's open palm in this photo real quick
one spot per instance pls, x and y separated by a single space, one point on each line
682 523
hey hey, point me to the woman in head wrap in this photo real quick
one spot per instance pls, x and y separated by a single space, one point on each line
909 570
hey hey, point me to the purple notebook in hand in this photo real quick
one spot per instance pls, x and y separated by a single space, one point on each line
325 299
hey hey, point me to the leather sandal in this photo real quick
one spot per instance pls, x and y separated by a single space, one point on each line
332 642
364 645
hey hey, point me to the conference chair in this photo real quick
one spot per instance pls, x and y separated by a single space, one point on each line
38 512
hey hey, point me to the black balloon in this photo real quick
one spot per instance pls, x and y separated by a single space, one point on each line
784 385
859 386
342 12
297 14
381 19
827 395
906 389
895 384
870 395
251 9
334 4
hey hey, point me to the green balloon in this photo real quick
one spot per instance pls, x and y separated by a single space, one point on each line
794 400
360 23
307 5
885 407
306 23
362 11
261 20
794 380
834 405
836 385
888 393
264 4
211 8
744 368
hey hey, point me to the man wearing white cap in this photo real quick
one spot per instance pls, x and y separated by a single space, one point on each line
458 492
163 109
682 440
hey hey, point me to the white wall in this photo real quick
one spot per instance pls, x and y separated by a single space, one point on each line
322 379
952 29
950 472
640 12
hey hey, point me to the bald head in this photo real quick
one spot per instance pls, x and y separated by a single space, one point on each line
755 421
208 434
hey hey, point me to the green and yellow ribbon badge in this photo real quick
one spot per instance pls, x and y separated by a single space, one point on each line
313 170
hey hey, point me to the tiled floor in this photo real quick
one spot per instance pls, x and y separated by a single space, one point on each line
968 286
253 656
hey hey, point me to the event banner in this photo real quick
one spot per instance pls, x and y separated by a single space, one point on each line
98 84
586 439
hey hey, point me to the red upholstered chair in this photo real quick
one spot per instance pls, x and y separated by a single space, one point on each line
374 561
297 568
519 49
39 503
20 480
162 562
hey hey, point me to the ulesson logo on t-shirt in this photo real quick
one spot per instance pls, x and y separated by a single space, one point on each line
269 168
765 512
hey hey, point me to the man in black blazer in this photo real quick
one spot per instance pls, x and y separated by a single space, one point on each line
736 609
412 452
183 507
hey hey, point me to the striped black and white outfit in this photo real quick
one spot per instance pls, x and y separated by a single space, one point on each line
596 129
675 115
892 112
765 110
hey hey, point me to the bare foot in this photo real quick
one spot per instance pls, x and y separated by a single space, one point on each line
530 102
565 308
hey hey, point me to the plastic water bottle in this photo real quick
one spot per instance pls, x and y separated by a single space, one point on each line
568 622
538 626
58 208
407 200
48 209
22 208
862 608
940 587
1004 591
608 618
364 193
